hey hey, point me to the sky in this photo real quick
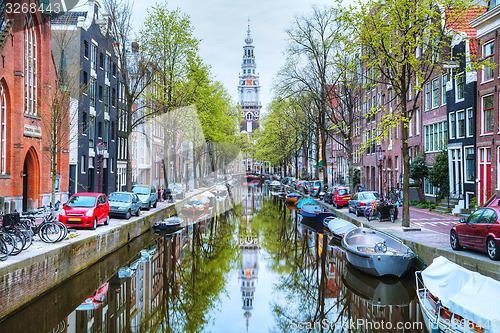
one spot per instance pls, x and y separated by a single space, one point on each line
222 27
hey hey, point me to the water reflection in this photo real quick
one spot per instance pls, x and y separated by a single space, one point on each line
255 268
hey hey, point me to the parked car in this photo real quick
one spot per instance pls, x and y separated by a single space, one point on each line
359 201
307 186
340 196
124 204
299 186
177 190
316 188
481 231
85 210
147 194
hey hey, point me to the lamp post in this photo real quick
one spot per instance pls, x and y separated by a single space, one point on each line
333 161
100 151
380 160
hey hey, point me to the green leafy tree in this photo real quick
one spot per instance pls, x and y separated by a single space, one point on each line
439 174
418 172
405 43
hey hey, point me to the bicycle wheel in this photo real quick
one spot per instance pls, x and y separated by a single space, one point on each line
28 237
8 240
51 233
368 213
19 241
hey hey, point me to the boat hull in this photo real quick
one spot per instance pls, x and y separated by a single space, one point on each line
365 251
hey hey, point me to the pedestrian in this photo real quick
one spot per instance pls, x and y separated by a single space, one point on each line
159 194
164 195
360 188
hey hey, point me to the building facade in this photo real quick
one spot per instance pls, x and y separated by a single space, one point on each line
93 150
27 80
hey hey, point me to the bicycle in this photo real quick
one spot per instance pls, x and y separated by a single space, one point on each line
371 211
49 230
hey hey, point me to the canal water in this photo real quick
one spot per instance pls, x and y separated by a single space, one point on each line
255 268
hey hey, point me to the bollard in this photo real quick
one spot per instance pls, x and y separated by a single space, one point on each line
6 209
2 200
30 204
12 206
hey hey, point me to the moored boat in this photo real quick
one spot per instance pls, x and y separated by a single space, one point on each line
194 206
376 253
456 300
171 223
292 197
304 201
317 212
338 227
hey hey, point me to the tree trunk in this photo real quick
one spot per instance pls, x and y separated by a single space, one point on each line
420 190
406 174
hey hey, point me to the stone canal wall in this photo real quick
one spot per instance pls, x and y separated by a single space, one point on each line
28 275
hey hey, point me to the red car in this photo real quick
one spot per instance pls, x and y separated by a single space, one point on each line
340 196
481 231
85 210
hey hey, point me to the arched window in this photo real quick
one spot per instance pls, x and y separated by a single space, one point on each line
249 116
3 115
30 67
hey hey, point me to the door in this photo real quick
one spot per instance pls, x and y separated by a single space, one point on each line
483 228
467 231
484 174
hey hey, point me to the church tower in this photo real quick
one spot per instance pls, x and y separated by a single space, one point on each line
249 88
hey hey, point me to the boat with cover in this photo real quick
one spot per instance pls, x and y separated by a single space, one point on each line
456 300
338 227
317 212
304 201
171 223
376 253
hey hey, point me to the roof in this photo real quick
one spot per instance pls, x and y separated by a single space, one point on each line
462 24
66 18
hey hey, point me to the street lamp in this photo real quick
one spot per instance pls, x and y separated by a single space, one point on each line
380 160
333 161
100 151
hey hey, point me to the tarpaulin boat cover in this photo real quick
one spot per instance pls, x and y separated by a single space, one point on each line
305 202
468 294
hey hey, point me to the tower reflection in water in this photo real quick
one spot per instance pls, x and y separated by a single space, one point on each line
175 284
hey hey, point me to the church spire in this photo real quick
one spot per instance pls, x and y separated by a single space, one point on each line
249 39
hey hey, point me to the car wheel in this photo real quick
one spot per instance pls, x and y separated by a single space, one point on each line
94 225
455 244
357 211
138 212
149 205
493 250
107 220
379 215
128 214
156 202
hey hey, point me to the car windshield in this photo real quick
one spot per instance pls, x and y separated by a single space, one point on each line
371 195
120 197
140 190
81 201
344 191
176 187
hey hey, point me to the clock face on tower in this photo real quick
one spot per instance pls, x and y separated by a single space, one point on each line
249 81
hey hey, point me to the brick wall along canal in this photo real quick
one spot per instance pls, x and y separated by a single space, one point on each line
253 268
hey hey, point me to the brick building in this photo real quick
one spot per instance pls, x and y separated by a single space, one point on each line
27 78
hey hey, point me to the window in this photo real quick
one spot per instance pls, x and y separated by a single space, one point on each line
107 67
487 115
417 122
93 56
82 164
113 97
30 67
435 136
444 78
427 96
93 83
101 60
100 93
86 49
488 53
470 122
410 127
435 93
469 164
114 69
106 99
3 130
461 124
249 116
390 100
91 132
460 83
453 125
85 82
429 189
106 131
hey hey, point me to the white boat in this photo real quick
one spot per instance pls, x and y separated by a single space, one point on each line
169 224
338 227
456 300
376 253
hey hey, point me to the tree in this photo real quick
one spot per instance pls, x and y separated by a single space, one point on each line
404 44
134 66
418 172
313 41
439 174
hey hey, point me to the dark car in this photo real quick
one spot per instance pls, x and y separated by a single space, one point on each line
316 188
481 231
359 201
85 210
124 204
147 194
